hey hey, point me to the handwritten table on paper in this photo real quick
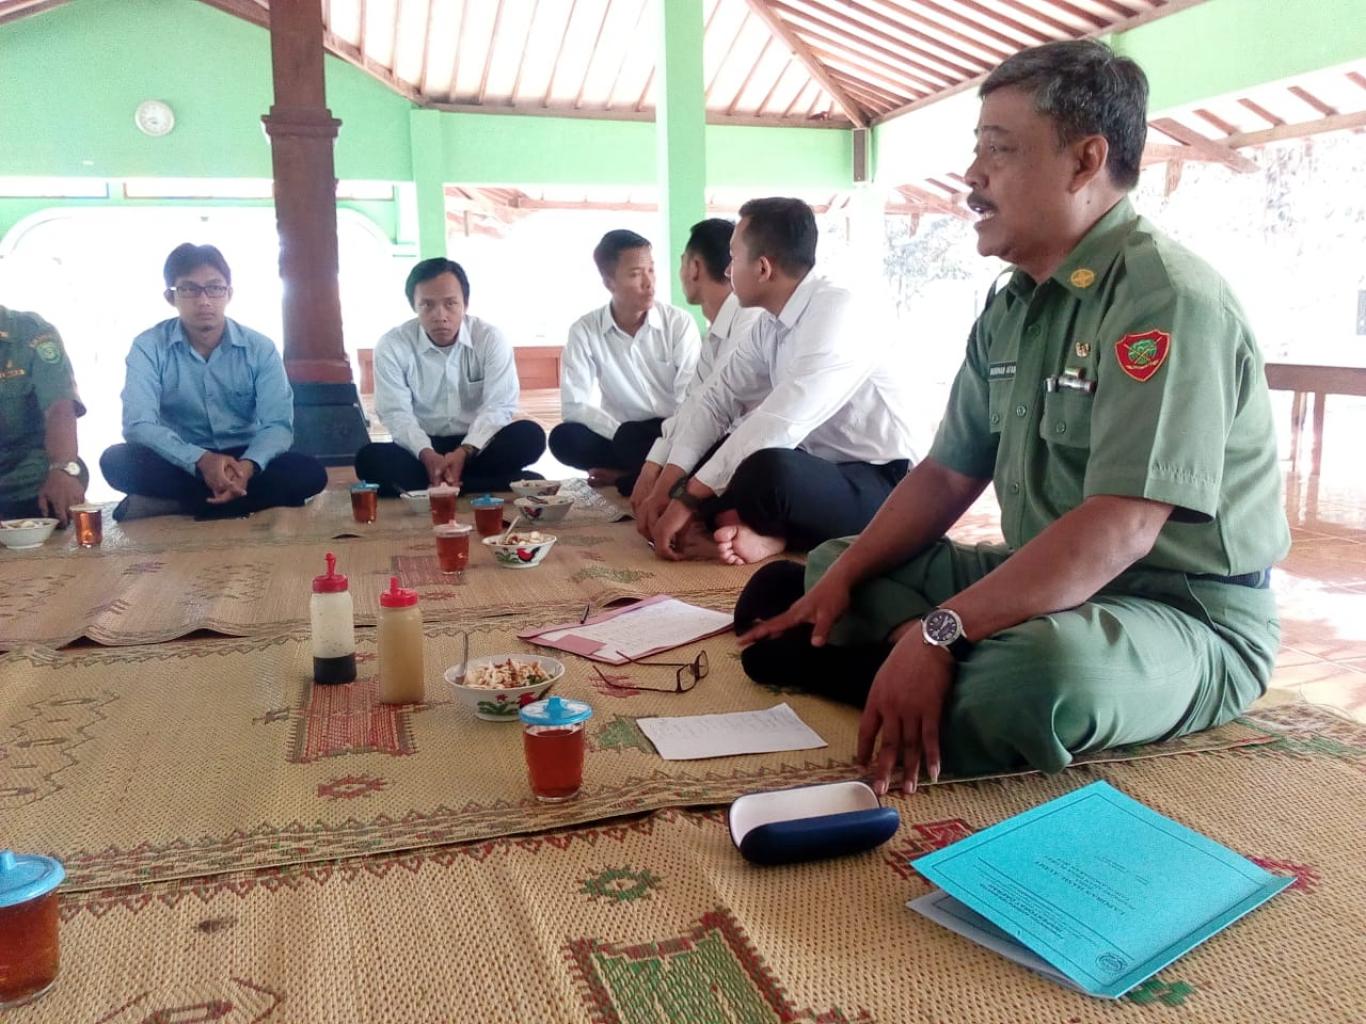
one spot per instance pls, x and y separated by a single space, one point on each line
691 737
645 628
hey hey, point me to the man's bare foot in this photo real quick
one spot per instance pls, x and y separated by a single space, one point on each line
696 544
739 545
604 477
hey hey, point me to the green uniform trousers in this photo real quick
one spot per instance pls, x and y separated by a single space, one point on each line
1153 655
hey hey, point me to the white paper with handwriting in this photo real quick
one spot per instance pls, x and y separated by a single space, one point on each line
742 732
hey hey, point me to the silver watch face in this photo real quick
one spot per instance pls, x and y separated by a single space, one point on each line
941 627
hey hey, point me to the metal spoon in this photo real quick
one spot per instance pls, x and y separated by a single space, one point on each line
464 658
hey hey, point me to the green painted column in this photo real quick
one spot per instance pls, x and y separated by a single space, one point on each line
680 130
425 140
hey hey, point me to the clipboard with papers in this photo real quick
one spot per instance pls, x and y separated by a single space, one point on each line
638 630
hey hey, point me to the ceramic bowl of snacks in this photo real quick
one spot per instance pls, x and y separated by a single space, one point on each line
535 488
22 534
545 510
496 687
521 550
416 501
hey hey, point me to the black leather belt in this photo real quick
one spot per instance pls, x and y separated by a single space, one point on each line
1259 580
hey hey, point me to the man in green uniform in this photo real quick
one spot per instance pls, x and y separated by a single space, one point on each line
40 474
1114 396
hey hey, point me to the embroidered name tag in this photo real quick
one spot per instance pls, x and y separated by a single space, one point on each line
1000 371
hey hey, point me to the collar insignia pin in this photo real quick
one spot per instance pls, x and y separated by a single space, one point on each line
1083 277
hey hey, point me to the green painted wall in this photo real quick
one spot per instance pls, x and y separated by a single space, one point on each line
70 89
1220 46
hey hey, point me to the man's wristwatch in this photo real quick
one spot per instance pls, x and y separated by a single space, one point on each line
943 628
680 493
69 468
470 450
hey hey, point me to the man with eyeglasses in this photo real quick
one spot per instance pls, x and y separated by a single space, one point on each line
207 411
40 474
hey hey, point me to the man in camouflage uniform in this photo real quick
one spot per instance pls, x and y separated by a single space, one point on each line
1113 394
40 474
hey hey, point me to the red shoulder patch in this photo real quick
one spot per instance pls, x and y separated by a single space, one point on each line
1142 355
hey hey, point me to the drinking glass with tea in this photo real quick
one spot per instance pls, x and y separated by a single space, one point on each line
452 547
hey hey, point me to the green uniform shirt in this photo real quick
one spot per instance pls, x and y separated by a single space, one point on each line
34 373
1179 413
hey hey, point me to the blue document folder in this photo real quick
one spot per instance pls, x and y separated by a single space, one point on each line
1095 885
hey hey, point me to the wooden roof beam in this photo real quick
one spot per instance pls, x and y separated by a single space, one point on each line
28 9
803 53
928 201
1336 123
1221 152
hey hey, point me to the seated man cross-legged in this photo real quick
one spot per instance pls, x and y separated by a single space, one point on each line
446 389
40 474
626 368
704 273
1113 394
207 411
815 397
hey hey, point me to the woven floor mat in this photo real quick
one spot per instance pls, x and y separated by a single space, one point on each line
325 517
656 919
188 759
252 589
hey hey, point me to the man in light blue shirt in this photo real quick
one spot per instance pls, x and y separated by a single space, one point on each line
208 413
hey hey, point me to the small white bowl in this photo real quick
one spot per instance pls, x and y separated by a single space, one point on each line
535 488
544 511
25 534
502 705
417 502
521 554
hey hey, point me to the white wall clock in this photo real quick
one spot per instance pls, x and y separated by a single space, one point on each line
153 117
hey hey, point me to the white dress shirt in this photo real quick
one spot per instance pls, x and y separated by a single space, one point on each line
423 391
732 323
829 376
609 377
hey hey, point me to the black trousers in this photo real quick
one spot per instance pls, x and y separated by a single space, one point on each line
290 479
782 492
578 446
501 461
789 661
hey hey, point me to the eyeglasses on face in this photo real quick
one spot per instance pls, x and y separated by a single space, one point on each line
686 675
194 291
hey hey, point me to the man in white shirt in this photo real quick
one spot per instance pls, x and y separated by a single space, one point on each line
830 436
704 273
626 368
446 389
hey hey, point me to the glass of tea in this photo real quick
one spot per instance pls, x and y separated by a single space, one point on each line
365 502
452 547
89 523
28 926
441 498
488 515
553 739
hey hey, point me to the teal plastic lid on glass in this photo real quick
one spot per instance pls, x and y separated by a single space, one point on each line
486 501
365 487
555 711
25 877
